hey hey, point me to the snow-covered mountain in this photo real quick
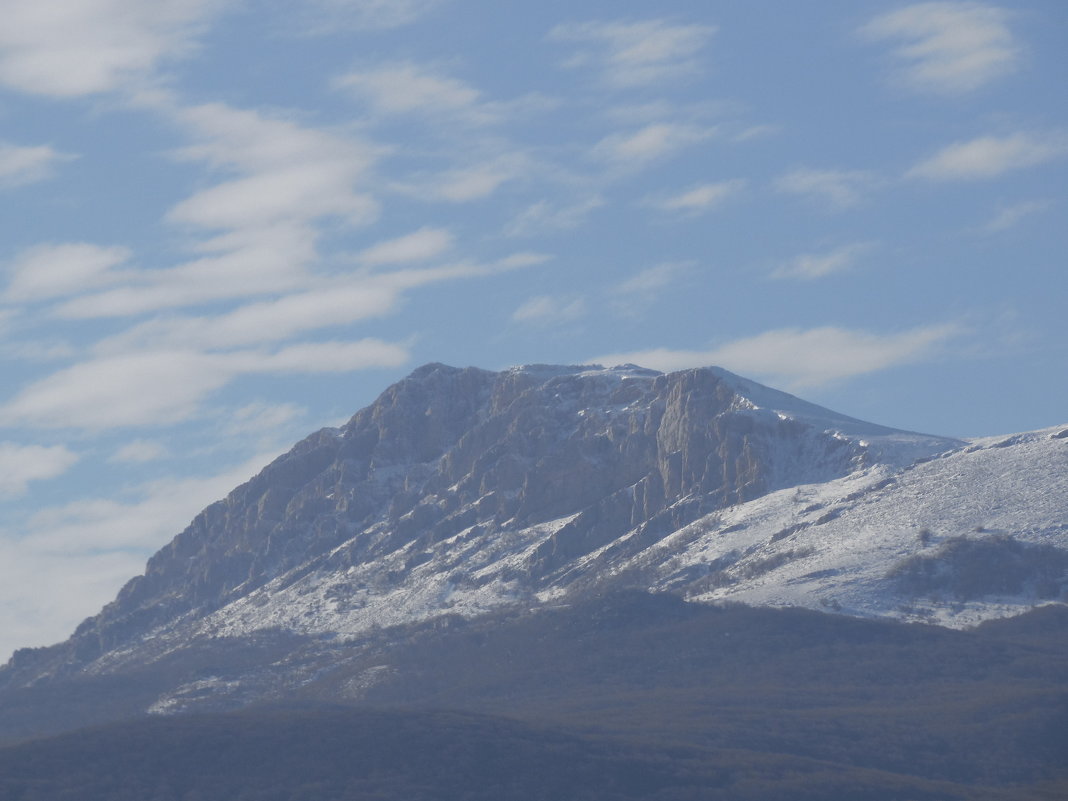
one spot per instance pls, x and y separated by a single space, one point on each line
462 491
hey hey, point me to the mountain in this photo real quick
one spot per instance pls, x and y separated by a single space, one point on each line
463 495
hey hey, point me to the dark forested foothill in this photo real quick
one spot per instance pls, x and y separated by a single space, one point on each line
626 696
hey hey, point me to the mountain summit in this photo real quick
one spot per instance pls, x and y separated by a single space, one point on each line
464 491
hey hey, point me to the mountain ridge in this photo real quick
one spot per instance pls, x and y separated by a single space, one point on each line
460 491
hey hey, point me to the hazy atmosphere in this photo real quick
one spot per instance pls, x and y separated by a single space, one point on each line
227 223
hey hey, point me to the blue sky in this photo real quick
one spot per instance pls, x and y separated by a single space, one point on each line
227 223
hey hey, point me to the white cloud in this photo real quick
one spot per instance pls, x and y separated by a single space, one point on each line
453 107
426 243
240 264
543 216
165 507
949 47
1009 216
37 351
27 165
65 49
21 464
654 141
810 266
280 319
287 174
305 191
990 156
485 167
517 261
756 132
632 296
335 302
325 357
839 188
477 166
164 387
139 451
136 389
255 323
262 225
56 270
475 182
261 418
407 87
700 198
547 309
654 278
799 358
328 16
631 54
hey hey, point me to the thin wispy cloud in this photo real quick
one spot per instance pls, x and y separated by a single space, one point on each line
636 295
1010 216
653 279
546 309
20 165
153 388
260 323
240 265
256 233
330 16
812 266
406 87
140 451
801 358
836 189
426 243
991 156
149 517
332 303
698 199
650 143
21 464
261 418
546 217
756 132
632 54
465 184
60 270
948 47
286 172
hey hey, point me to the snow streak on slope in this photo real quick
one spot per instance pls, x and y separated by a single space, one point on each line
466 575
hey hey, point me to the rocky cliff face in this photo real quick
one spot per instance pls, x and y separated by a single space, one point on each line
459 490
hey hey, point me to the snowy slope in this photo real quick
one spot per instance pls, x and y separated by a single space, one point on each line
835 545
